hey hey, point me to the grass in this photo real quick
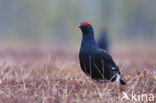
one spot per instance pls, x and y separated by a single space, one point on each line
49 75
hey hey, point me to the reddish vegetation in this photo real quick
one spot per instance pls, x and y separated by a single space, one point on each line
49 75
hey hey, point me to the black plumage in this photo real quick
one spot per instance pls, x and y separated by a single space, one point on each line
95 62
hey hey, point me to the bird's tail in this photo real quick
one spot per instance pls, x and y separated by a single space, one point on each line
122 82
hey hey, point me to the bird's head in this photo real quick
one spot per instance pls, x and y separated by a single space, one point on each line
85 27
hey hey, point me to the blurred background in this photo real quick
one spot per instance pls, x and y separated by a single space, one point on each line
56 21
40 41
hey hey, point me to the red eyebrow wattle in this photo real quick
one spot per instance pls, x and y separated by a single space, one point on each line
85 23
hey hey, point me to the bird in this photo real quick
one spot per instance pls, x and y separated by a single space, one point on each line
94 61
103 40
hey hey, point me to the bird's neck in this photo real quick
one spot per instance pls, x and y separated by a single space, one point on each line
88 40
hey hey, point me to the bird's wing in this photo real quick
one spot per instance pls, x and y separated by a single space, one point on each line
107 59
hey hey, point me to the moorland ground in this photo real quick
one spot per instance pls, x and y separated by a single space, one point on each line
34 74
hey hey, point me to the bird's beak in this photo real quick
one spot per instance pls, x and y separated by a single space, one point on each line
79 26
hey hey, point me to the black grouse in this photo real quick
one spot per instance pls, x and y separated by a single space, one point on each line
95 62
103 40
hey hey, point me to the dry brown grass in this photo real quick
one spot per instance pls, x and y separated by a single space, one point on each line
49 75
